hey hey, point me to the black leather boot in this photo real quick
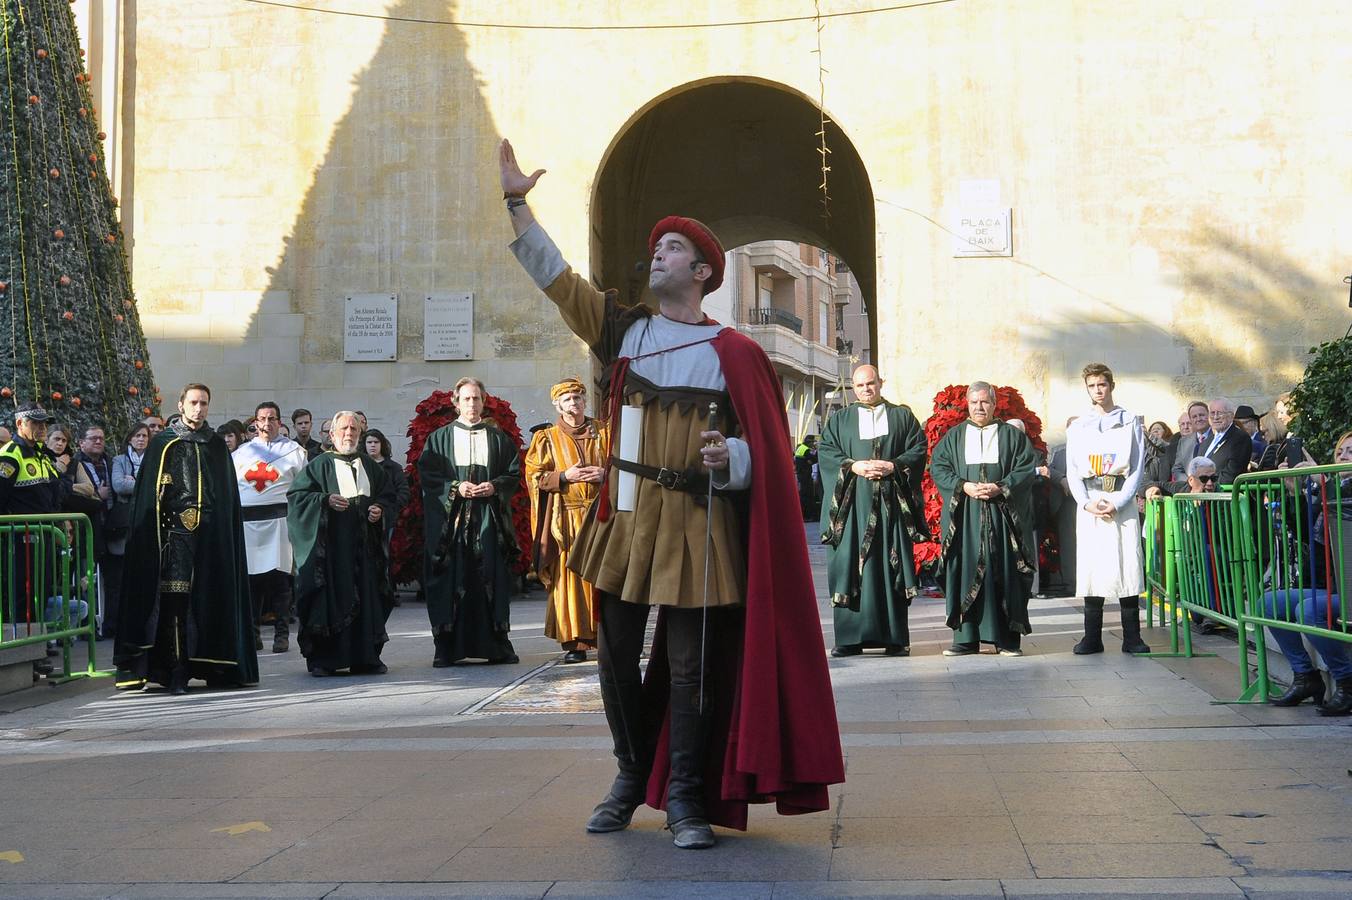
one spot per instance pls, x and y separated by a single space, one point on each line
624 713
1340 704
281 636
685 789
1092 642
1304 686
441 658
1131 626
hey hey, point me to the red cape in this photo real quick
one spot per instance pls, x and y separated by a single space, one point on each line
774 735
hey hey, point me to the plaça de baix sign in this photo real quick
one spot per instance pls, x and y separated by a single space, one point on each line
371 328
983 232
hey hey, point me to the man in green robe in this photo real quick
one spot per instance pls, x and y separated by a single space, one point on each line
185 591
469 470
872 458
984 470
336 512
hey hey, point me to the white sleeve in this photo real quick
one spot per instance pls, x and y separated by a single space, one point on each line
737 476
539 256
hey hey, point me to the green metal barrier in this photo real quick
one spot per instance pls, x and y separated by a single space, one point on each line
1297 537
47 566
1159 536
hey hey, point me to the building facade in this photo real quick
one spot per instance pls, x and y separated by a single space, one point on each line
1016 188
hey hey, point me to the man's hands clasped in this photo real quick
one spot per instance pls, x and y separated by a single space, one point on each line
981 490
873 469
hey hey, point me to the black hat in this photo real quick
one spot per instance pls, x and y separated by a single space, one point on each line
32 411
1245 412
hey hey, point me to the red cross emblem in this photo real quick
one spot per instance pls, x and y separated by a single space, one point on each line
261 475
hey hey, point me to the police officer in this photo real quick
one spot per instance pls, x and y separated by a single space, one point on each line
29 485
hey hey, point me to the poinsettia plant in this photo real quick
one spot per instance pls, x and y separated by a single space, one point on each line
950 409
437 410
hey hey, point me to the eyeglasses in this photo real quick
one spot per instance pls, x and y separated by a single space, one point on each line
1213 478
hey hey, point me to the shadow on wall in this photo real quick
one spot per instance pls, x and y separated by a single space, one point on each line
1245 321
394 207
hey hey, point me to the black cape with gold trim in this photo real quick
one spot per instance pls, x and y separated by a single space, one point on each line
220 616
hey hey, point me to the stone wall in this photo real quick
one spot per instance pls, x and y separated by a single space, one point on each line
1174 171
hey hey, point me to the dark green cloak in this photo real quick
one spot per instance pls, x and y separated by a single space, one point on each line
343 591
220 617
986 554
871 525
470 544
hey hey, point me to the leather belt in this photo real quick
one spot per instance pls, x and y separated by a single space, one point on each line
263 513
689 481
1106 483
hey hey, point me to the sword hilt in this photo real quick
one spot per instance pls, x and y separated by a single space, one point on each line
713 420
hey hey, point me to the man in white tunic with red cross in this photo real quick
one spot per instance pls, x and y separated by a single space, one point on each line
265 468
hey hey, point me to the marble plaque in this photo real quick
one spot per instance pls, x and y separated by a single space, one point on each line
448 326
371 327
981 231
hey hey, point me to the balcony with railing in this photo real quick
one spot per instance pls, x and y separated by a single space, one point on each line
772 316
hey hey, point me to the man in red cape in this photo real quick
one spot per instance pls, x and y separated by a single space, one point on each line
736 705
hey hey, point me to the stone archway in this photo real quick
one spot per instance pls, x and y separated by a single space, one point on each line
742 156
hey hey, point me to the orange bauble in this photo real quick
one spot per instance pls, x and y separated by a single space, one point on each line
54 172
103 135
93 157
118 318
59 234
133 390
83 112
75 401
145 410
4 286
68 315
64 281
140 365
32 99
6 393
56 395
42 54
112 239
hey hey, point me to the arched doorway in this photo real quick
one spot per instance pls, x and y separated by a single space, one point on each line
742 156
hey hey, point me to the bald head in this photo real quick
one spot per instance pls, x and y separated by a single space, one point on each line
868 387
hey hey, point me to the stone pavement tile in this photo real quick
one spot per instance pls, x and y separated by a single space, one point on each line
902 862
1044 800
1061 759
1112 888
838 890
467 801
666 890
925 831
137 810
202 863
868 761
43 865
525 890
34 891
1292 826
1286 856
524 829
750 856
49 830
367 850
1302 800
210 831
589 861
231 891
949 797
1291 887
1134 860
1107 827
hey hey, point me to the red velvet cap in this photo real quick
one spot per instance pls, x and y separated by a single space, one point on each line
703 239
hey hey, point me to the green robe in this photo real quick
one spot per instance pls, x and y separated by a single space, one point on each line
220 639
343 591
871 525
469 545
986 558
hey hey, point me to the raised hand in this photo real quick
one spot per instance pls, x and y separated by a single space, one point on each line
514 181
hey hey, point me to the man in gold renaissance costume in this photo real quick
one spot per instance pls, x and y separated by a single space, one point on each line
564 468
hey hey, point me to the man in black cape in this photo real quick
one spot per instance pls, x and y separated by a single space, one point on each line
468 471
185 607
337 508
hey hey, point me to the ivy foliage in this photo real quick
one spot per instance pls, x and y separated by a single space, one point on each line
1322 402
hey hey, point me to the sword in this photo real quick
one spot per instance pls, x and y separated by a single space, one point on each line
708 543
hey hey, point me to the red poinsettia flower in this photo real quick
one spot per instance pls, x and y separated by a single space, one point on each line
406 548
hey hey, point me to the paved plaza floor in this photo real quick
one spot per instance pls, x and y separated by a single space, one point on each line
981 776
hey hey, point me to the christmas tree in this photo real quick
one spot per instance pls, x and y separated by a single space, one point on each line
69 327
